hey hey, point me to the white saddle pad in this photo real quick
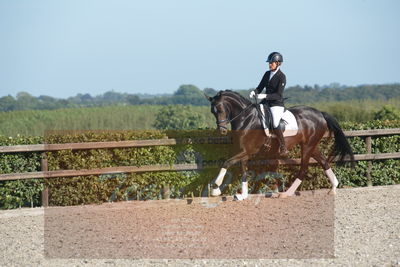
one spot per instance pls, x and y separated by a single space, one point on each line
291 127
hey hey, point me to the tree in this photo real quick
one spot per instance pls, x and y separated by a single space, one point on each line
8 103
112 97
387 113
86 98
188 90
178 117
189 94
25 101
133 99
48 102
210 91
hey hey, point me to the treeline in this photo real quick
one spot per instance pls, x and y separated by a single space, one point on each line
192 95
138 117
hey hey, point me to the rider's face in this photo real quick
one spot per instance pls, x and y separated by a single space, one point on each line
273 65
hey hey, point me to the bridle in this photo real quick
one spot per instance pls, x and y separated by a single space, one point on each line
226 120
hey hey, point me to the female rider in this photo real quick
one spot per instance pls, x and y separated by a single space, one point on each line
274 82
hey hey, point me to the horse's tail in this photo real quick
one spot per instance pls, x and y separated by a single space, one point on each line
341 146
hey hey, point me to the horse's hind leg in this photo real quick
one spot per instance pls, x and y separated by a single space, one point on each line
320 158
306 153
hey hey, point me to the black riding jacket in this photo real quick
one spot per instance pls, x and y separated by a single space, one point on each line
274 88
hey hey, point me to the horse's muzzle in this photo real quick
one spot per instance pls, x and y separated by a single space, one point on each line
223 130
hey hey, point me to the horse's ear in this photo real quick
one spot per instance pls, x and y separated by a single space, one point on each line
209 98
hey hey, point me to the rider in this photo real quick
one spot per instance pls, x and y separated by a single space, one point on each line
274 82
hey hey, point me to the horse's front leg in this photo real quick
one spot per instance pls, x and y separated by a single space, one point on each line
245 188
216 191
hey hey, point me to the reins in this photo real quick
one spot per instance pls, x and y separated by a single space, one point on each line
260 114
234 118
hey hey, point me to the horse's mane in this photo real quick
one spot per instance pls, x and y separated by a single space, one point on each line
235 96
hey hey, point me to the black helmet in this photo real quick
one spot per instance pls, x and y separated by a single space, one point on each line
275 57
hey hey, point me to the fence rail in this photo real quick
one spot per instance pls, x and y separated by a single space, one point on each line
155 142
161 142
45 173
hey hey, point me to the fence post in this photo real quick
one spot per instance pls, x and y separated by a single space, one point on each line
368 144
166 193
45 192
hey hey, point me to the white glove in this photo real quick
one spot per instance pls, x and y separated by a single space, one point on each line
252 94
261 96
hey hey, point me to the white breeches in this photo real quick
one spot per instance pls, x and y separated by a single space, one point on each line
277 113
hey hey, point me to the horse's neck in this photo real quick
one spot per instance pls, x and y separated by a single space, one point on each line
239 122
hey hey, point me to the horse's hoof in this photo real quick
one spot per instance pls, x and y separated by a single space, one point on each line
238 197
332 192
272 195
215 192
269 195
283 195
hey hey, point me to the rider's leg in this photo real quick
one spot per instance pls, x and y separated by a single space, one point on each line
277 112
281 139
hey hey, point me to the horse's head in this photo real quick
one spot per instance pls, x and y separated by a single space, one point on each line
220 111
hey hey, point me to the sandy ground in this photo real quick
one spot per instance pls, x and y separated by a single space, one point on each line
357 227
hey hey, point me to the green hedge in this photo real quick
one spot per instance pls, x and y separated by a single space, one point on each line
20 193
97 189
384 172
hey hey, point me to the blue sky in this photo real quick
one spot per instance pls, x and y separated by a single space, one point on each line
61 48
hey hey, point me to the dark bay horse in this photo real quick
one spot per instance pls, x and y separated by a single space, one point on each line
230 107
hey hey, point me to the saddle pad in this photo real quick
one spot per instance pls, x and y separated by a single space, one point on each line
291 127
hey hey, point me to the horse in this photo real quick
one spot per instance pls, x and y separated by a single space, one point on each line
244 116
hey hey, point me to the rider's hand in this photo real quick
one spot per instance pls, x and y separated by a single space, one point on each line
252 94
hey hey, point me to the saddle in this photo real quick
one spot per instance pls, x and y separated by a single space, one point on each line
288 123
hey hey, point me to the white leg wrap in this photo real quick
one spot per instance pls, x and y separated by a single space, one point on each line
245 190
220 177
218 181
244 194
293 187
215 192
238 197
332 178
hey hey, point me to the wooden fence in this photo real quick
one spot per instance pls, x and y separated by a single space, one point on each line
45 173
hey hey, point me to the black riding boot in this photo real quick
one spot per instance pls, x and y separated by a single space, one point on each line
282 147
